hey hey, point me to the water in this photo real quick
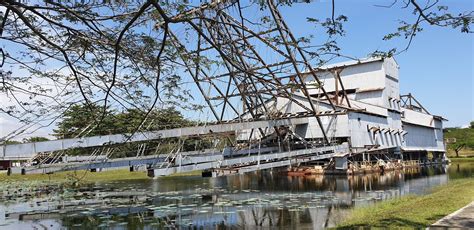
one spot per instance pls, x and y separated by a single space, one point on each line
264 199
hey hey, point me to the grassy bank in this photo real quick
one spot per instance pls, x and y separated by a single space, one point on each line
414 211
465 153
86 176
461 159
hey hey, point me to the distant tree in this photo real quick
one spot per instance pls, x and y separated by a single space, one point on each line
35 139
11 142
458 147
79 121
82 120
471 125
158 119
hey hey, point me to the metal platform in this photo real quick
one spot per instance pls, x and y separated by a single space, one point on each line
28 150
184 162
253 162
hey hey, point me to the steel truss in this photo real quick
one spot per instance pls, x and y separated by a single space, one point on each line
242 78
237 67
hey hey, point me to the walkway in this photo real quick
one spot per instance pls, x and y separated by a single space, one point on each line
462 218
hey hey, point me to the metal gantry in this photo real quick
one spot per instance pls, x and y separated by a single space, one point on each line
251 66
238 68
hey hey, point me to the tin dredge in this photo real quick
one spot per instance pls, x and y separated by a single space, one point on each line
279 109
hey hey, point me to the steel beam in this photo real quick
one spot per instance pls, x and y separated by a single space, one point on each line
30 149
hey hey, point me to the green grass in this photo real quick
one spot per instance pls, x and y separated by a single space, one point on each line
191 173
413 211
86 176
461 159
462 154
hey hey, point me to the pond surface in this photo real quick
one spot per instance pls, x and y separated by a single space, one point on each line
266 199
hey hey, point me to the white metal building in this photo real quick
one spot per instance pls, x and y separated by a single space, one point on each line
374 116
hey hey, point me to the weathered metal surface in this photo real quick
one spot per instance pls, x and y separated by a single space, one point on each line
256 162
417 118
283 163
424 138
186 161
341 163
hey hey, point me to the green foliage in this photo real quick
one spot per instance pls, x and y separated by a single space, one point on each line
128 121
81 121
471 125
80 117
11 142
334 28
35 139
463 137
433 15
404 29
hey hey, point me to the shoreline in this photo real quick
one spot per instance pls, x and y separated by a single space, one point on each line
84 176
117 174
413 211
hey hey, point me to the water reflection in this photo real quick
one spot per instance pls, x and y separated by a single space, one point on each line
255 200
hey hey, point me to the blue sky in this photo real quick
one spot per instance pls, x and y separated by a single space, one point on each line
437 69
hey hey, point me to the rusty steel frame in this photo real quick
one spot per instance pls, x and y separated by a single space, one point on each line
409 101
247 74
